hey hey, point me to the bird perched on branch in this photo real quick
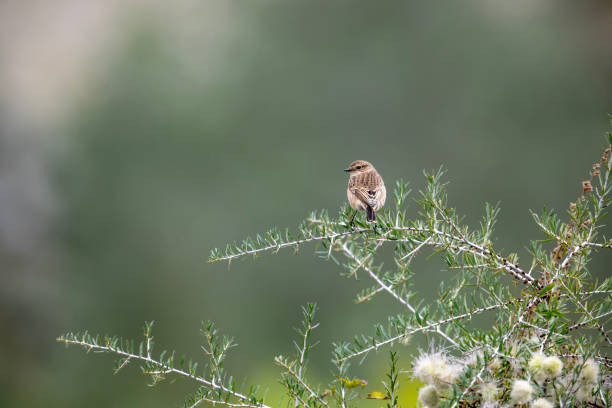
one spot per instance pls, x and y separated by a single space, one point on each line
366 189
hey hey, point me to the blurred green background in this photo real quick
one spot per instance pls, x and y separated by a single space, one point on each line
135 138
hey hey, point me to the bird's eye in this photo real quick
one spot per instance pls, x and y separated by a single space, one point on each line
358 167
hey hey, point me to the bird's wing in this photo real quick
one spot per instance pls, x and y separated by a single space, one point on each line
367 187
364 195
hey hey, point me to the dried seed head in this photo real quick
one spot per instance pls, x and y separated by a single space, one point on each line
595 170
557 253
605 156
586 186
573 206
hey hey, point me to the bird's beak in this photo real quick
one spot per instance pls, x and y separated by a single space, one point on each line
347 170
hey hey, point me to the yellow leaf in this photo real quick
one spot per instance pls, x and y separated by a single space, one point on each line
355 382
377 395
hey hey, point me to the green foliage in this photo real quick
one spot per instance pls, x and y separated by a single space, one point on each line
549 319
293 373
392 386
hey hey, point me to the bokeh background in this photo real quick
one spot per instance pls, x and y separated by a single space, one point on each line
136 136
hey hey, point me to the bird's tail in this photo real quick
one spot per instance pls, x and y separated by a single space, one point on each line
370 214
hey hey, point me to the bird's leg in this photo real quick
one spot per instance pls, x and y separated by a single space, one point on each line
352 221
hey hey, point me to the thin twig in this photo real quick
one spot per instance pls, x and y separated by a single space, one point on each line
374 276
292 372
167 369
428 327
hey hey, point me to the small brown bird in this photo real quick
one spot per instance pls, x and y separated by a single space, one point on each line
366 189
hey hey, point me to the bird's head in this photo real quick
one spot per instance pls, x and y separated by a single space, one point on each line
359 166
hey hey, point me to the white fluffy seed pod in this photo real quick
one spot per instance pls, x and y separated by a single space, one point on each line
494 364
590 372
489 392
435 369
541 403
535 365
521 392
428 396
552 367
584 393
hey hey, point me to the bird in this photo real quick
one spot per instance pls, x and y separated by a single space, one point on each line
366 189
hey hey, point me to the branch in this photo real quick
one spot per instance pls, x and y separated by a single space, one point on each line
167 369
373 275
587 312
276 246
331 235
429 327
309 312
288 367
469 387
577 325
220 402
599 206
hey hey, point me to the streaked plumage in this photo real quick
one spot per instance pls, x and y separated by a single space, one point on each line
366 189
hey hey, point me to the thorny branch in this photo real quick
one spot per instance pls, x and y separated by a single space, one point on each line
167 369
